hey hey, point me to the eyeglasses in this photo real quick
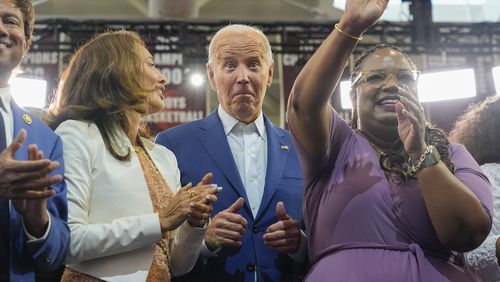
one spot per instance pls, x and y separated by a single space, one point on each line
378 78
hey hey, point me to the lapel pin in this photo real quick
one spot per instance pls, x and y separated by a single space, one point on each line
27 119
284 147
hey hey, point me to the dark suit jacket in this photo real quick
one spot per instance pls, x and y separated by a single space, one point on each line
201 147
26 258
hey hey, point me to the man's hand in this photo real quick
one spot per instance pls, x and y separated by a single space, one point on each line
28 186
227 228
26 179
284 235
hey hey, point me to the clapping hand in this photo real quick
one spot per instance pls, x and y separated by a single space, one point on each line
27 183
203 199
411 122
193 204
26 179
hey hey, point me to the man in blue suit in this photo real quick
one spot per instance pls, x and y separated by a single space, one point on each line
34 235
254 234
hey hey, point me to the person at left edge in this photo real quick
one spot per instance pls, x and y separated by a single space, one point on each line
34 235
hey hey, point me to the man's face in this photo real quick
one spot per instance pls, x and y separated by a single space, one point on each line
13 43
240 73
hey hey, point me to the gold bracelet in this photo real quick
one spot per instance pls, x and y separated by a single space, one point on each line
347 34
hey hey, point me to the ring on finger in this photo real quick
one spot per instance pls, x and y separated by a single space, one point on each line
192 193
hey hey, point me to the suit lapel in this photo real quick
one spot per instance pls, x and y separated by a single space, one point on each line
277 153
213 139
21 120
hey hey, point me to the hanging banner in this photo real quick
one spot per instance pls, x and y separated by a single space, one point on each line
44 65
185 100
291 69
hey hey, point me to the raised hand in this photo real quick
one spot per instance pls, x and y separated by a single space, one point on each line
359 15
284 235
26 179
227 228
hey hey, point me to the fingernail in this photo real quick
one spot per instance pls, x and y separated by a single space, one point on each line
191 204
213 185
207 197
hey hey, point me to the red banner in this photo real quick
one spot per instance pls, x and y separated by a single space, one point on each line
183 101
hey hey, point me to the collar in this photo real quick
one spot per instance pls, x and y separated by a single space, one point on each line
5 98
229 122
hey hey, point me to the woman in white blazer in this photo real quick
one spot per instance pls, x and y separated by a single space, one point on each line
129 218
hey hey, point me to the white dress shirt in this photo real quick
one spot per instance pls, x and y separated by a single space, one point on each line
248 143
6 111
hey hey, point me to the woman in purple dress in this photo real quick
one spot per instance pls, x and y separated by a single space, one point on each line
388 198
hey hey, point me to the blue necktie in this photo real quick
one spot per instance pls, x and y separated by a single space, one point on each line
4 213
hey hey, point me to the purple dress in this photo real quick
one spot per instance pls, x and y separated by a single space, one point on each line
363 228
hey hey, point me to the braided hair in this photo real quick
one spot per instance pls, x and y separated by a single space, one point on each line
395 161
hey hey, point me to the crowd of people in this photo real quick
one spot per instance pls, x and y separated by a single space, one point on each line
86 195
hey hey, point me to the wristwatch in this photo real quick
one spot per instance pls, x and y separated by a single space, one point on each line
429 158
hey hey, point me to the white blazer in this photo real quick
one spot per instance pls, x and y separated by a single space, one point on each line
110 213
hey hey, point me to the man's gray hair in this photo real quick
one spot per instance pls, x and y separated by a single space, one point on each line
240 28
